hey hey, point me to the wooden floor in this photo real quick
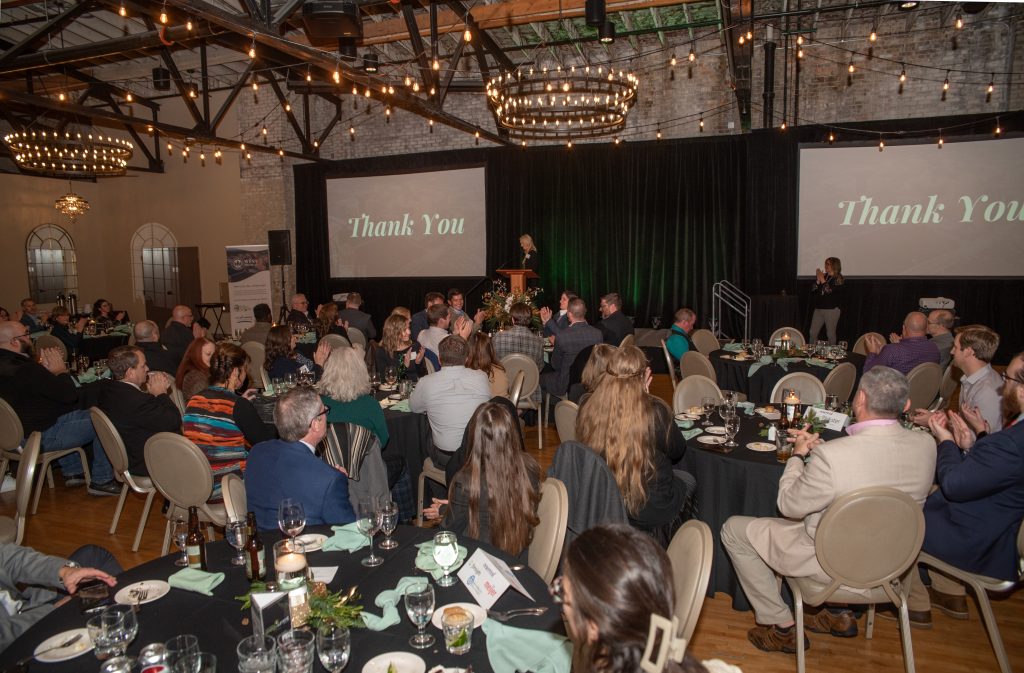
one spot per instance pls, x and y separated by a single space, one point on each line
69 518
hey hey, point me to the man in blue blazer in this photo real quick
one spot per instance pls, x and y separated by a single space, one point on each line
568 344
288 467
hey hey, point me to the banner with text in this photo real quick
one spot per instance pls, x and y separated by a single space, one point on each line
248 282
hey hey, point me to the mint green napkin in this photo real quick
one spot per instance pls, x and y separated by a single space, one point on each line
122 329
747 407
425 560
765 360
818 362
511 649
400 406
733 347
193 579
387 600
346 538
307 338
684 423
690 434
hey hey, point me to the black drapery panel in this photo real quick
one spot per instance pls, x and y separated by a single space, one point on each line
312 252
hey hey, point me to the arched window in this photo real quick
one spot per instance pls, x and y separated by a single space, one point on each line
155 264
52 266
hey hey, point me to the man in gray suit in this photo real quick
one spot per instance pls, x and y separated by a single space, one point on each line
569 342
877 452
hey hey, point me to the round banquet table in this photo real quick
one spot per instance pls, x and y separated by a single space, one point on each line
732 375
740 482
218 620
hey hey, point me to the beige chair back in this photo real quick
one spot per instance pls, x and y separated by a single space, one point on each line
628 340
112 443
25 480
336 341
670 363
179 470
690 552
233 489
516 363
807 386
691 390
49 341
178 398
565 420
796 337
11 430
695 362
430 365
515 391
860 346
549 535
840 380
924 382
950 382
356 337
705 341
257 356
649 338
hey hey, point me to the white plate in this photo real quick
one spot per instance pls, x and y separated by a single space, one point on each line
156 589
726 356
450 669
83 645
761 446
479 614
684 416
385 387
404 662
715 430
742 358
773 416
711 439
312 541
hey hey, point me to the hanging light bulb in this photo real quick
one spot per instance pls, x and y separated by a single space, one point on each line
431 125
998 128
617 141
170 150
309 76
831 137
188 26
280 153
742 39
568 145
252 50
467 35
783 126
873 36
255 83
122 10
799 40
128 97
941 142
851 68
692 56
337 75
415 86
202 158
287 107
903 79
62 97
437 64
881 145
241 146
945 86
959 21
387 114
799 52
701 124
477 136
658 135
672 61
408 80
248 157
163 15
991 88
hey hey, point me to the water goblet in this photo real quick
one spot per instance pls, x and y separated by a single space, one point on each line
179 529
257 654
237 533
296 651
842 348
419 605
180 646
446 555
388 521
730 397
105 632
291 517
732 426
374 379
708 405
391 376
832 402
196 662
368 523
333 644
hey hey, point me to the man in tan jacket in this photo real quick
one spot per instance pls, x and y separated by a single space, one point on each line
877 452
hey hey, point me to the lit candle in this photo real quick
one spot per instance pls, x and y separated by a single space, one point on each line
290 563
792 398
785 340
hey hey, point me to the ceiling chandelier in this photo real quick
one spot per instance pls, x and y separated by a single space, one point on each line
72 204
69 154
563 104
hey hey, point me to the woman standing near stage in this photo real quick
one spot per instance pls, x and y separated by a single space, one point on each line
530 259
826 298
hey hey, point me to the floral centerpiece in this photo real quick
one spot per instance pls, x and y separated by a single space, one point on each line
499 300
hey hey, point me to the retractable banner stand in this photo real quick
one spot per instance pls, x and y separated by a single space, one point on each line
248 282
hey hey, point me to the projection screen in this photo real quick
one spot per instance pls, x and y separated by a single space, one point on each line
914 210
408 225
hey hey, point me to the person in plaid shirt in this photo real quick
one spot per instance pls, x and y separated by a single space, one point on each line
519 338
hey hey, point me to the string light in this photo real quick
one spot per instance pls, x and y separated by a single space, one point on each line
799 40
263 131
387 114
672 61
523 144
477 136
692 56
433 91
467 35
831 137
287 107
701 124
217 156
248 157
783 127
672 65
431 125
617 141
991 88
188 24
163 14
941 141
337 74
128 97
799 52
568 145
202 158
252 51
170 150
309 76
280 153
750 35
436 64
742 39
959 21
849 74
998 129
873 36
945 86
881 144
241 146
122 10
659 134
408 80
416 86
62 97
903 78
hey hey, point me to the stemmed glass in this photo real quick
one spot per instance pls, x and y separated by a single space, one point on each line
368 523
375 379
333 644
291 517
708 405
446 554
419 605
732 426
391 376
237 533
388 514
179 529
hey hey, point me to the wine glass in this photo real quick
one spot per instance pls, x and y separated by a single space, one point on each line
730 398
368 523
237 533
708 405
732 426
419 605
291 517
446 554
179 529
388 520
391 375
374 379
333 644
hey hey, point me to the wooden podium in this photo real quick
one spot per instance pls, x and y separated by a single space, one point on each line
517 278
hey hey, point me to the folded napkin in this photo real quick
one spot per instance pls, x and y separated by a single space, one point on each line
733 347
684 423
512 649
193 579
765 360
346 538
387 600
122 329
690 434
747 407
307 338
403 405
425 560
818 362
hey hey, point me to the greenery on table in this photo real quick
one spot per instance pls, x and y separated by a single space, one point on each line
325 607
809 418
498 301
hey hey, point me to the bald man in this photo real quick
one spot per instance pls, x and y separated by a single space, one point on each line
180 332
910 349
940 329
159 359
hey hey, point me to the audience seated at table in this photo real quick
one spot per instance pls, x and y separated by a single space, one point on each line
494 496
357 319
482 358
60 319
678 342
288 467
159 359
614 580
397 350
329 322
940 331
519 338
878 451
222 423
104 314
418 321
264 318
439 319
300 313
45 398
569 342
30 317
283 360
614 325
180 331
593 372
193 373
636 435
345 391
907 350
553 324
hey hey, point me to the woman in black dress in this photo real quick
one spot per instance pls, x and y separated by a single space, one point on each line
530 259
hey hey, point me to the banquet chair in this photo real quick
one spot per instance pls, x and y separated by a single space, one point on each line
796 338
182 474
178 398
650 338
705 341
515 391
336 341
433 473
628 340
691 390
515 363
671 364
232 487
565 420
11 434
867 542
49 341
924 381
12 531
840 380
947 388
982 586
690 553
356 449
429 362
860 346
695 362
545 550
807 386
356 337
593 495
257 356
113 446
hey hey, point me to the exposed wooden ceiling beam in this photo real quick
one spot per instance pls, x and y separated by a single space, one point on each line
53 25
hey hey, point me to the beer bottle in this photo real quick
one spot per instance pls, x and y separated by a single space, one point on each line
195 541
255 560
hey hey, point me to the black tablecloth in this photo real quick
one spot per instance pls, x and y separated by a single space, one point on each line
732 375
218 620
97 348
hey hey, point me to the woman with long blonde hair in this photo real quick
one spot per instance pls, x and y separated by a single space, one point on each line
531 258
396 348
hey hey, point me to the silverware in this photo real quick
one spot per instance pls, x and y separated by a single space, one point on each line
67 643
512 614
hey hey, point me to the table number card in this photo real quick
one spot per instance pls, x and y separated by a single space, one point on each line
271 613
833 420
487 578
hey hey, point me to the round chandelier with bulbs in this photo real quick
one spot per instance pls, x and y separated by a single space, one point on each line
563 104
72 205
69 154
